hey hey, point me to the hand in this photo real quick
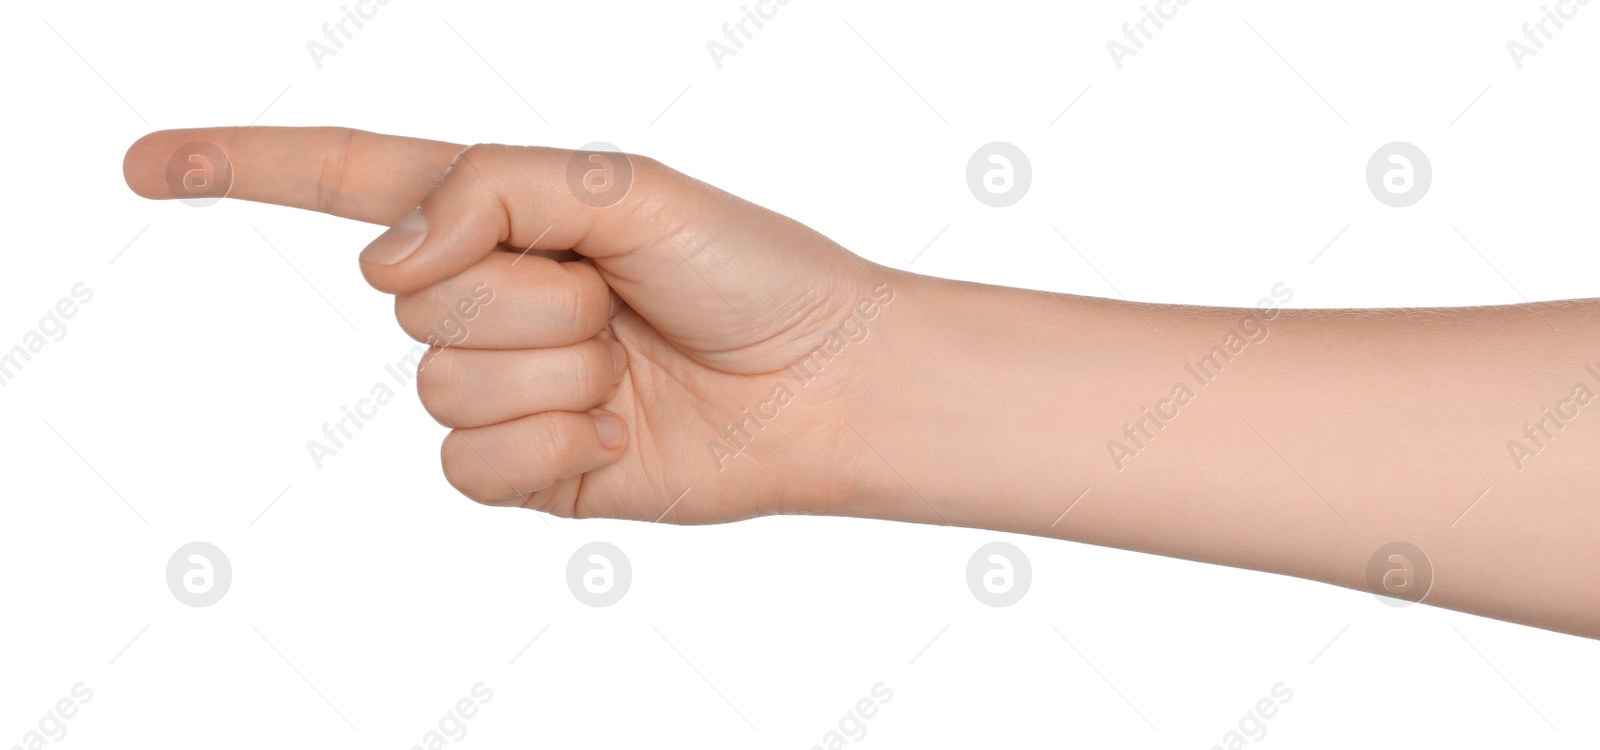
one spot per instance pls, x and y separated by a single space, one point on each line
629 335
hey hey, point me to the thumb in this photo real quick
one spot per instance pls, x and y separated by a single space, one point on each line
509 198
710 271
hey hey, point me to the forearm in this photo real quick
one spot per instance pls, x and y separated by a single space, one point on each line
1297 442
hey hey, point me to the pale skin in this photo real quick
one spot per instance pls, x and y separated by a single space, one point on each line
623 347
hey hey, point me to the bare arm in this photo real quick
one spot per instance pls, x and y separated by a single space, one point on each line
1300 442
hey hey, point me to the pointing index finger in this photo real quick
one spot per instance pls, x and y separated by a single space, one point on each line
349 173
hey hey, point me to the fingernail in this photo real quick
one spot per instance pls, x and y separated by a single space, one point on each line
619 360
612 431
397 242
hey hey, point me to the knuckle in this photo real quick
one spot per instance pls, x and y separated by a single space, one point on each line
436 371
439 385
331 175
477 158
648 165
596 369
410 313
570 297
466 153
431 315
652 174
441 411
452 460
584 307
590 298
466 472
553 445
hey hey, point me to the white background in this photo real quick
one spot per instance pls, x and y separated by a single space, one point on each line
370 597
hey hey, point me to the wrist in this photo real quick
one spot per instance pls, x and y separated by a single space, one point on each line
945 422
980 404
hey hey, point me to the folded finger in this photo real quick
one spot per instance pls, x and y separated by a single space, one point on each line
476 388
508 301
509 461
